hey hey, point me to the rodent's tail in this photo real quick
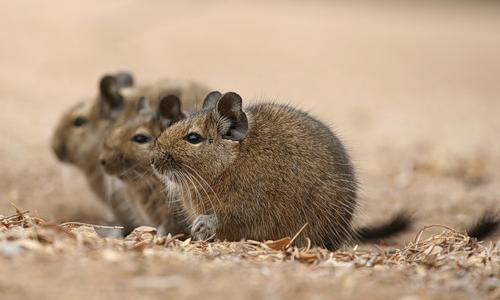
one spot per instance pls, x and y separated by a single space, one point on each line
485 226
400 222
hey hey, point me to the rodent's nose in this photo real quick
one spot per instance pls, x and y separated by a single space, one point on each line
102 162
157 160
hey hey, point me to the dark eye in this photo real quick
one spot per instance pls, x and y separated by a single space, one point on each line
193 138
79 121
140 139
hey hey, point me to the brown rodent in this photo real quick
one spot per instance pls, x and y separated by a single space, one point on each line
258 173
125 153
79 135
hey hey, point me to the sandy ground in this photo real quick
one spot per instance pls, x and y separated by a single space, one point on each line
412 89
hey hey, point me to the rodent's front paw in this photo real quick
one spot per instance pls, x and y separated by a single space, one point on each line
204 227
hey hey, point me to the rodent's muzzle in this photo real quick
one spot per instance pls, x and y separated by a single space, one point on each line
161 161
111 163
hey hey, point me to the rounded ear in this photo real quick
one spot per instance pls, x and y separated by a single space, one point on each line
124 79
109 89
232 122
211 99
169 110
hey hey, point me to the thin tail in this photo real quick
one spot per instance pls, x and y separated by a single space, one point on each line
400 222
485 226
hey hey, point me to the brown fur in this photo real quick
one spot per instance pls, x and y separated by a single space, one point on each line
128 160
261 182
78 145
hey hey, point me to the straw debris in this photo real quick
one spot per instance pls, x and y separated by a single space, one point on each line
438 258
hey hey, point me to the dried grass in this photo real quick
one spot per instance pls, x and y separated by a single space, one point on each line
441 257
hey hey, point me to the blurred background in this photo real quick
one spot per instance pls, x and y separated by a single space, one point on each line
413 88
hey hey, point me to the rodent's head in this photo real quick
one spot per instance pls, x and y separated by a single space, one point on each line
203 144
125 152
81 129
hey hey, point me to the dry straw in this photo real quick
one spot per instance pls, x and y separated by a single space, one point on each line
448 251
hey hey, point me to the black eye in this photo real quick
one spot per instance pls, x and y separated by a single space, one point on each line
140 139
79 121
193 138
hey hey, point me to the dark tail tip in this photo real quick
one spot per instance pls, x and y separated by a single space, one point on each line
400 222
485 226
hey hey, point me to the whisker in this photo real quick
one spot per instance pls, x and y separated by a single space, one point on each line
191 177
208 185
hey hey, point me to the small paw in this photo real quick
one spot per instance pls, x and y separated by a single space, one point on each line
204 227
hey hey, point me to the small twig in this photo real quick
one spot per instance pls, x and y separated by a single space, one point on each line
177 236
430 251
18 211
209 238
309 244
92 225
169 239
419 234
296 235
17 214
